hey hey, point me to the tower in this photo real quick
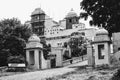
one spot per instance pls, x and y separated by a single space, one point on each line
37 21
71 18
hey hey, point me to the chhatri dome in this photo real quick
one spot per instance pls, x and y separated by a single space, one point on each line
34 38
38 11
71 14
102 31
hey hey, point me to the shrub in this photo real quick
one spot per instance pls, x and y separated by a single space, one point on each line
116 76
103 66
16 59
66 55
114 62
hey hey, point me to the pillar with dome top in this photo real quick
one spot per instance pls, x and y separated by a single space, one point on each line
34 54
101 47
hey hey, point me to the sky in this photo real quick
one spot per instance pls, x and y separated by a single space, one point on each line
22 9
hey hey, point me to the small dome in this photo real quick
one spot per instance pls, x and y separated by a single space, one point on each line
38 11
101 31
71 14
34 38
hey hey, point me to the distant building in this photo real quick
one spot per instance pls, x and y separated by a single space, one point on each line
37 21
71 18
57 33
28 23
58 40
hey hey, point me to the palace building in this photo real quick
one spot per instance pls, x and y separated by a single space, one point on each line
57 33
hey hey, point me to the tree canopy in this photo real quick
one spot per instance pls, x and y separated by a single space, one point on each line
13 36
104 13
78 45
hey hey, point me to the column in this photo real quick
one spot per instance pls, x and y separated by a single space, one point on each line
27 57
36 57
90 55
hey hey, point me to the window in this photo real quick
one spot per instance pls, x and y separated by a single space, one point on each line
31 56
101 52
59 44
70 20
119 49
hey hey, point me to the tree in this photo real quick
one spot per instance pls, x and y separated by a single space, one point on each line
78 46
7 25
46 48
15 45
104 13
13 36
22 31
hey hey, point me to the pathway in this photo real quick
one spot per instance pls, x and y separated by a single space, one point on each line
38 75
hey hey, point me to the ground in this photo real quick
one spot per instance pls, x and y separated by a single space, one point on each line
38 75
86 74
71 72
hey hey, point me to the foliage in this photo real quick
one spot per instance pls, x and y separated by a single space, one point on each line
3 57
66 55
102 67
7 25
65 45
16 59
116 76
46 48
15 45
105 13
78 46
13 36
23 32
114 62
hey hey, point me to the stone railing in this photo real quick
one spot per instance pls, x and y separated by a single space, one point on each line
74 60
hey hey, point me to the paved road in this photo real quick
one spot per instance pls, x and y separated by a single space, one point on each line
38 75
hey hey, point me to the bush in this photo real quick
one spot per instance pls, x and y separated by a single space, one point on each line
103 66
16 59
116 76
114 62
16 70
66 55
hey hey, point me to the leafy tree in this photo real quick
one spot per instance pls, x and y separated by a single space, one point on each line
15 45
7 25
104 13
65 45
13 36
16 59
116 75
77 45
22 31
46 48
4 54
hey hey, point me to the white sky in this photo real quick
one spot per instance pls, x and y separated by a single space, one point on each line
21 9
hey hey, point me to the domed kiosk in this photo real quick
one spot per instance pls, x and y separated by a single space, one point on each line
71 14
101 31
34 42
37 11
101 47
34 53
